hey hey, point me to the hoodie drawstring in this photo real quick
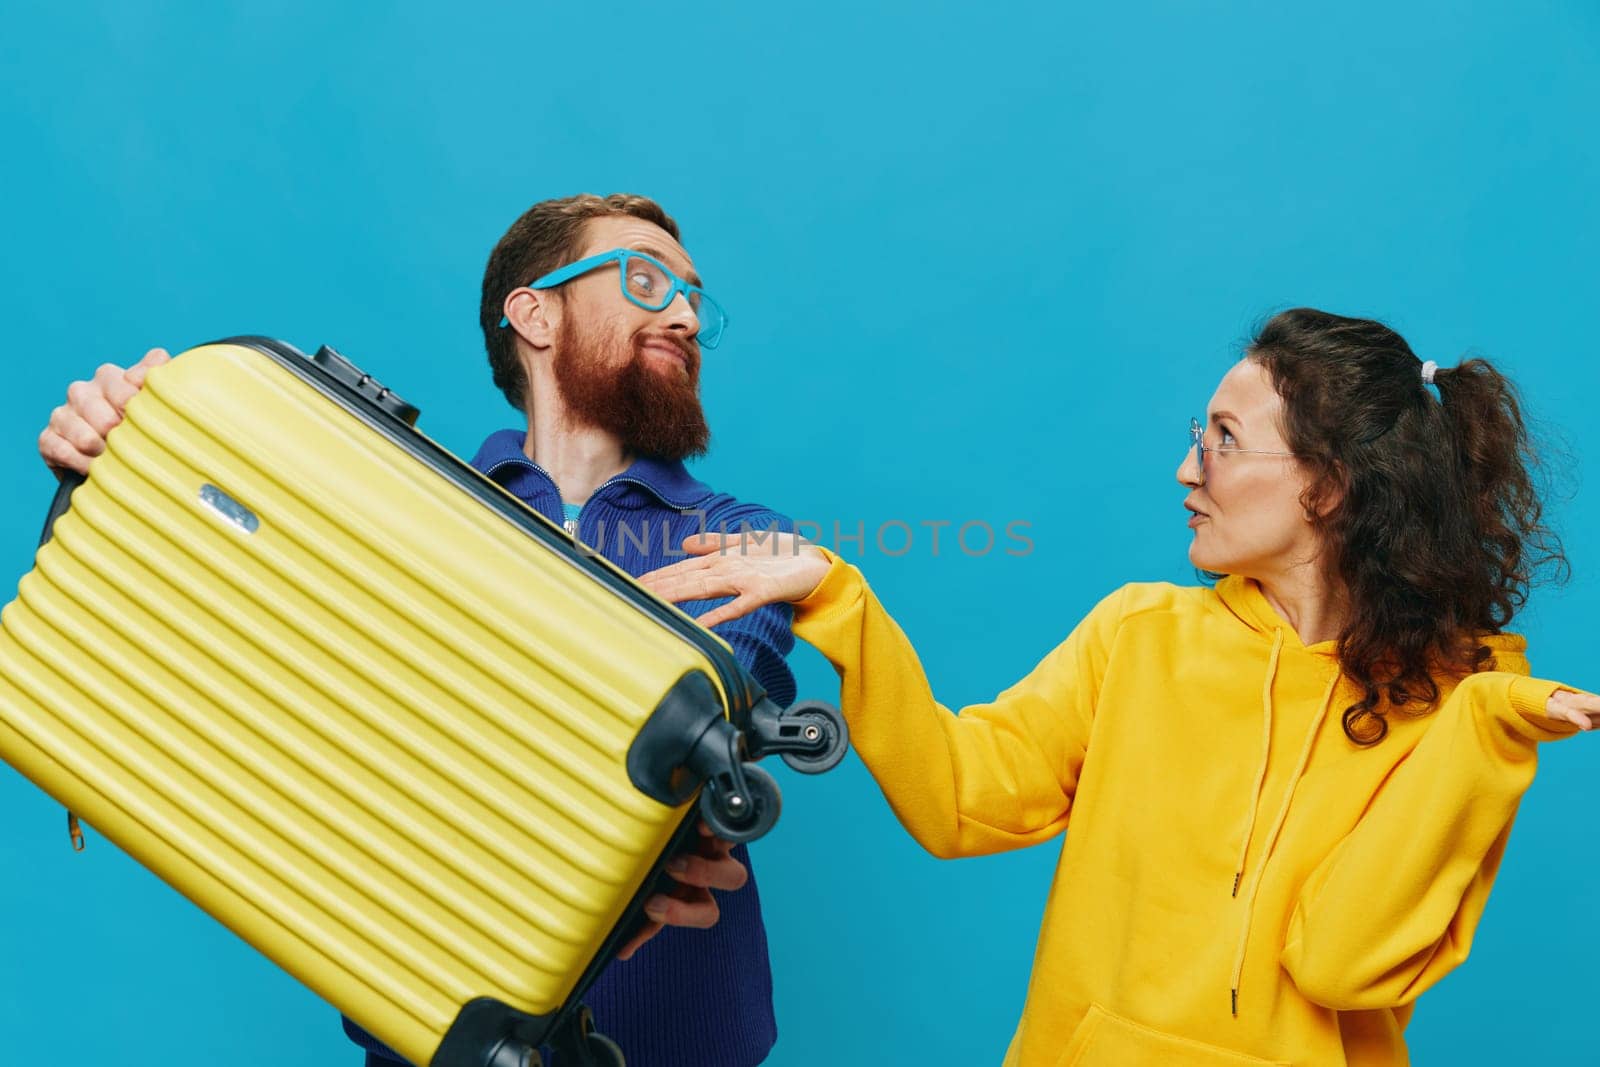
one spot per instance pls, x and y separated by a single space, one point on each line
1283 810
1266 751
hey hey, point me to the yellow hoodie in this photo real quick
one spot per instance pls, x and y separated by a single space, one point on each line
1241 883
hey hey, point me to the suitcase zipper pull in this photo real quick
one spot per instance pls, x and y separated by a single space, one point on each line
75 832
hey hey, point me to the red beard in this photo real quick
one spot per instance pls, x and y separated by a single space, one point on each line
653 411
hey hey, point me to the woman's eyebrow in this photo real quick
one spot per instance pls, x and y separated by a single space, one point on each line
1218 416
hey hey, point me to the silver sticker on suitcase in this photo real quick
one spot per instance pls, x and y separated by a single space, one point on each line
229 508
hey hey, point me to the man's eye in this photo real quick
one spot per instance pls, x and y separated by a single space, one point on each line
643 281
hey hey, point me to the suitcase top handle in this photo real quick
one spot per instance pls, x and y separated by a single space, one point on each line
364 385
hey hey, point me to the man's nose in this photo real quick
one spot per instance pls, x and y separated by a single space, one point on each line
680 315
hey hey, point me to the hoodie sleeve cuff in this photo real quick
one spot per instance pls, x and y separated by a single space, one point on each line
1529 696
840 590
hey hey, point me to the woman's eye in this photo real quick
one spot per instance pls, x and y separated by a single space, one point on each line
1227 439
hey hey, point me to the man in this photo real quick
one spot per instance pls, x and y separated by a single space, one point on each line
594 322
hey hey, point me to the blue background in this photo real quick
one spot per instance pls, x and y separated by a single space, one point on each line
983 262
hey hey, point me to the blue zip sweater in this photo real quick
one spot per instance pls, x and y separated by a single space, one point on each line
688 998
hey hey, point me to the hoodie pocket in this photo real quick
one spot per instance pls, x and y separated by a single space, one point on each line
1104 1039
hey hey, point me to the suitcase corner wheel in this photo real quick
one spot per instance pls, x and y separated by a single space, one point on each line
741 801
579 1044
687 741
489 1034
811 735
576 1044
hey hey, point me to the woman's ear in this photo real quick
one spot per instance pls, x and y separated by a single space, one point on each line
1323 497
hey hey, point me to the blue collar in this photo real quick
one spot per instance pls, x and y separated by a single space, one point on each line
667 479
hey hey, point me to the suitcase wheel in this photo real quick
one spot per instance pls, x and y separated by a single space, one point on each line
811 736
741 815
822 726
577 1043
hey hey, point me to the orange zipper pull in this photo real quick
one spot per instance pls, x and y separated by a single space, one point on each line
75 832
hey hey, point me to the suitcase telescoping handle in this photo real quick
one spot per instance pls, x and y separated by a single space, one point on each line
70 480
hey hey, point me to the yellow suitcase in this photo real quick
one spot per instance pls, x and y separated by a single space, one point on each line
301 691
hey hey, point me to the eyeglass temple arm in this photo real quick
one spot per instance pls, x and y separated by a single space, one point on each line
564 274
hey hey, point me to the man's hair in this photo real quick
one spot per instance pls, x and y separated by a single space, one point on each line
547 236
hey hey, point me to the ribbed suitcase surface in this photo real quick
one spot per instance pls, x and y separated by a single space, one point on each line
373 727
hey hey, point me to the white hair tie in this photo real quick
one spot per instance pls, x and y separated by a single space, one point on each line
1428 370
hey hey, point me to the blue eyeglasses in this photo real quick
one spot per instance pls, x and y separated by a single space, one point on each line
647 283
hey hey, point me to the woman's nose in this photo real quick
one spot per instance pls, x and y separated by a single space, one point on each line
1190 474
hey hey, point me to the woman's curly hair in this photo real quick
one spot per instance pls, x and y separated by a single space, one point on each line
1427 507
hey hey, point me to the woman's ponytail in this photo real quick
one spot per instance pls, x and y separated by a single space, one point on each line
1483 414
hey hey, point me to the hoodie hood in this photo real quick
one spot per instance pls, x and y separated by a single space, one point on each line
1243 599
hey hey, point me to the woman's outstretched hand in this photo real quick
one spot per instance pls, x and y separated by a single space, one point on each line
754 569
1580 709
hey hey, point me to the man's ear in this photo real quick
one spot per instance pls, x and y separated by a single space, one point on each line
534 315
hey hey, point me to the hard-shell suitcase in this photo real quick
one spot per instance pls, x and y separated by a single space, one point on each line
385 722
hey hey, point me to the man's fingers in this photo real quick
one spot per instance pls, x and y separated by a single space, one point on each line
685 905
59 455
691 906
99 414
79 391
77 430
122 389
77 433
135 374
711 845
723 872
110 384
646 932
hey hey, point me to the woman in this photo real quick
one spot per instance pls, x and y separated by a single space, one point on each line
1289 793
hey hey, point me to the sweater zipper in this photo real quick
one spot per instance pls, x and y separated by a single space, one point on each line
519 461
569 525
620 480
